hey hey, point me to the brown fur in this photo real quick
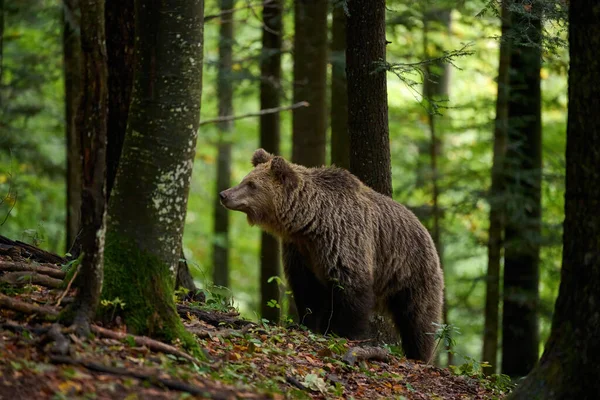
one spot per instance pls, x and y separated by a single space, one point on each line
347 250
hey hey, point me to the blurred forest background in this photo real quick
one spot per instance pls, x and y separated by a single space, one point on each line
33 141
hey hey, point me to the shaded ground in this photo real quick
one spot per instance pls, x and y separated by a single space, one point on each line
243 360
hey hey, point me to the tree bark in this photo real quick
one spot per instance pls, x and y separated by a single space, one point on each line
568 368
435 91
340 141
270 97
148 204
367 95
523 220
310 69
496 201
120 32
72 75
91 125
225 94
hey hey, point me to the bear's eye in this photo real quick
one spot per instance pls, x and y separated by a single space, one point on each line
252 185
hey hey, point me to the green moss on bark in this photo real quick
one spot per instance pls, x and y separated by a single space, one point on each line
145 284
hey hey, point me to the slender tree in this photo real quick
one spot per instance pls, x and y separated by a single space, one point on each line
568 368
340 142
523 165
225 94
270 97
496 197
367 94
72 76
149 199
91 125
310 73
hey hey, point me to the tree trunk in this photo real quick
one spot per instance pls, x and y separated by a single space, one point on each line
120 31
91 125
568 368
310 69
72 76
523 166
270 95
435 91
367 95
148 203
340 141
225 94
496 197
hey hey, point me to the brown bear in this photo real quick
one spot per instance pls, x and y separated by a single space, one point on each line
347 250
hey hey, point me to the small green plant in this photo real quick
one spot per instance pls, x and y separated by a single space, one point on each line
114 303
273 304
218 298
443 333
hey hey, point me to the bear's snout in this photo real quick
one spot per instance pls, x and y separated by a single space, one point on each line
223 195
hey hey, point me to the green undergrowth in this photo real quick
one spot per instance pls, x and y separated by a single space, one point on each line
138 286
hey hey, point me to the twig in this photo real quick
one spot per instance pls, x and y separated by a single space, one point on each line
33 278
143 341
365 353
151 378
11 266
62 296
255 114
28 308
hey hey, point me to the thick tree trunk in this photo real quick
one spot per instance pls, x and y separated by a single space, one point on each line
225 94
120 32
148 204
523 219
270 95
72 75
435 92
310 68
569 369
496 200
367 95
91 125
340 141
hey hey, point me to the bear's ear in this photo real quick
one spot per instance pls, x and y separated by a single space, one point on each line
260 156
284 172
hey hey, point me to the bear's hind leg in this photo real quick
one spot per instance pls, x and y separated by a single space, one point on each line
348 311
414 319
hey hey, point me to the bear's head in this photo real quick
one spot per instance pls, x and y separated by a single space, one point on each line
261 194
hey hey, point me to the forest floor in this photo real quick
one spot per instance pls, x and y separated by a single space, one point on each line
40 359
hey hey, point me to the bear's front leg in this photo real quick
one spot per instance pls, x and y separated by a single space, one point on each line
309 293
349 309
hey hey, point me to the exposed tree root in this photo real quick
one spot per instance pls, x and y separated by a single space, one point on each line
214 319
151 378
13 266
27 308
365 353
33 278
61 344
152 344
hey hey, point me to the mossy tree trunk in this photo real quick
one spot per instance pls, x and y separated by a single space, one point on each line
523 165
496 200
569 367
91 124
72 76
270 97
340 141
309 134
367 94
148 204
225 95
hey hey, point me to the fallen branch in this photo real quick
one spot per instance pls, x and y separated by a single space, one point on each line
148 377
152 344
30 278
255 114
212 318
62 296
20 328
202 333
365 353
33 252
27 308
11 266
295 382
